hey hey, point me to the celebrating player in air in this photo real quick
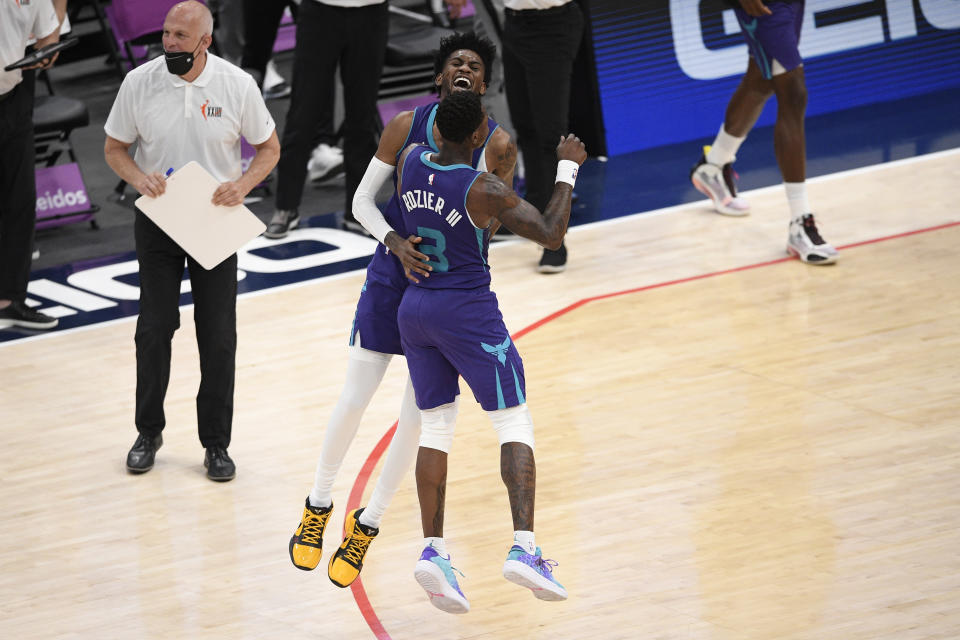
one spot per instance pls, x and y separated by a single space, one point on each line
462 64
451 326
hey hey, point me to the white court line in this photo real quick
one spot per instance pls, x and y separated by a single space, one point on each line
699 204
677 208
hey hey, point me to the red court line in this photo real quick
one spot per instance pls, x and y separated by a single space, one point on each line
353 501
356 493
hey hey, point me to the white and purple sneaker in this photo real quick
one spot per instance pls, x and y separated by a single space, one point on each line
534 573
434 573
805 242
720 185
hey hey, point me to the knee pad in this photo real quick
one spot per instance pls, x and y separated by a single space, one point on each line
513 425
436 426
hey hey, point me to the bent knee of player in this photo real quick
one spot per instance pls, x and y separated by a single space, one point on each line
437 426
790 87
513 424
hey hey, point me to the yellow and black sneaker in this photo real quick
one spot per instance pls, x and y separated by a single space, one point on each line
306 543
346 563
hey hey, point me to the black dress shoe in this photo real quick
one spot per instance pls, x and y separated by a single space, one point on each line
142 453
220 467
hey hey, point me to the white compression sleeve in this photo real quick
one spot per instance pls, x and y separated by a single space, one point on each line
400 457
437 425
364 204
365 370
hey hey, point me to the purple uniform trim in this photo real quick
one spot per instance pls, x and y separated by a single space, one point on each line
774 37
459 332
376 316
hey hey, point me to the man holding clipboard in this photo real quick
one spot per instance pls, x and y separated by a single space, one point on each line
18 192
187 105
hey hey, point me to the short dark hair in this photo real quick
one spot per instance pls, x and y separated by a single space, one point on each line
459 115
471 41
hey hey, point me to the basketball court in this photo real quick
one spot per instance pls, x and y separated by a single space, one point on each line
730 445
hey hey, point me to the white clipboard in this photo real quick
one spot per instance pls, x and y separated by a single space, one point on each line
208 232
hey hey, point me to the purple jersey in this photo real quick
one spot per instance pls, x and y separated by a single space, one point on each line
384 268
434 206
376 318
450 323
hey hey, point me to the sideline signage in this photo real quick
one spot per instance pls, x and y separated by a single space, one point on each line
61 196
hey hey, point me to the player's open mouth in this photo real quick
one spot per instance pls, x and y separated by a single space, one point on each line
462 82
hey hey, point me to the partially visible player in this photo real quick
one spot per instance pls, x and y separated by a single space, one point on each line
772 32
462 63
451 325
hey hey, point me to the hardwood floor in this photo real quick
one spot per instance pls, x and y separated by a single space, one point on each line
731 445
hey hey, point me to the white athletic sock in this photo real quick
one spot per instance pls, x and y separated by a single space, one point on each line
400 457
797 199
525 539
365 370
319 503
438 545
724 148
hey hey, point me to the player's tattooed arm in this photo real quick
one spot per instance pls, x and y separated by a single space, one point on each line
502 162
505 151
491 197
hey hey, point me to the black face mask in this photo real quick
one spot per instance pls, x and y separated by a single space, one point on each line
179 63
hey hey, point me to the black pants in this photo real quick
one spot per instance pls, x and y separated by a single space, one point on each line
328 36
261 20
539 48
18 189
161 263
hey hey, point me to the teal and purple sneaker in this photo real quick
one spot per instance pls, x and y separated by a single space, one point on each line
436 576
534 573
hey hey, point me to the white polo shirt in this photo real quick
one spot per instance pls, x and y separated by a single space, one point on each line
18 22
175 121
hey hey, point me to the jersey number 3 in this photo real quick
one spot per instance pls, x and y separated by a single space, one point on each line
438 261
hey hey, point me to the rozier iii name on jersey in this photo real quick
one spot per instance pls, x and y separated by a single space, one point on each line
422 199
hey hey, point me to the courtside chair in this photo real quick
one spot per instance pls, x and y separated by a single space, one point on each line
54 119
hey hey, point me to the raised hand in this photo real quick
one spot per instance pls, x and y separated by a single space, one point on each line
571 148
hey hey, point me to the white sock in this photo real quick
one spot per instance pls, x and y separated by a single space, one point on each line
438 545
525 539
365 370
319 503
797 199
724 148
400 457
